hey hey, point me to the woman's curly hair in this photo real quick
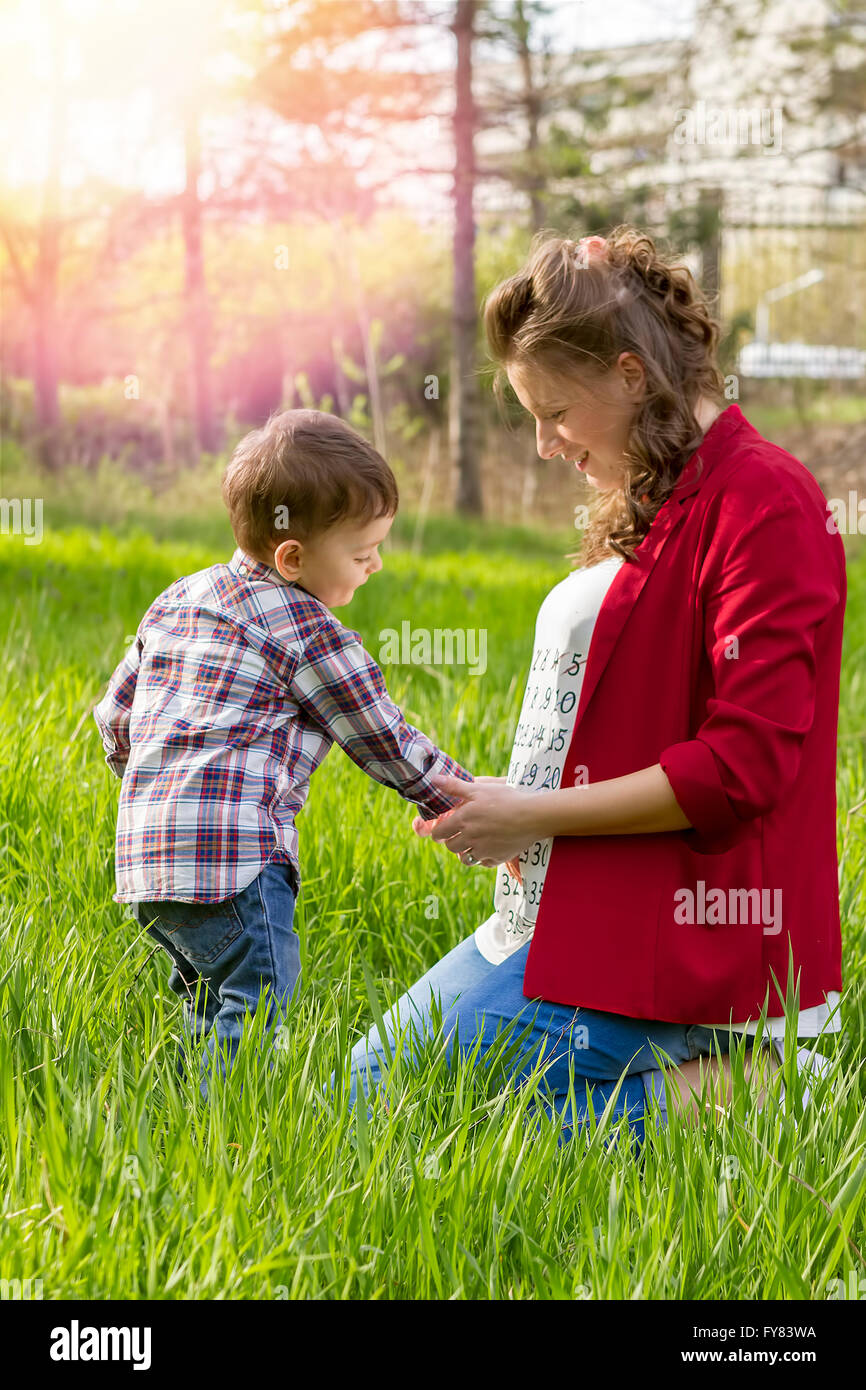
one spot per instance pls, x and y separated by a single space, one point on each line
557 316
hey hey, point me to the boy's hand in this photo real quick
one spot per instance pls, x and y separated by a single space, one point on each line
492 824
513 867
426 827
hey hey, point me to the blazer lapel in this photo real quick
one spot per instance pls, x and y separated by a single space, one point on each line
621 598
626 587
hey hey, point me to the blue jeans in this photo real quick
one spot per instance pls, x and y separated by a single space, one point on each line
479 1001
224 954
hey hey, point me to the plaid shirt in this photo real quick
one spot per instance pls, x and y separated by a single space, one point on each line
227 701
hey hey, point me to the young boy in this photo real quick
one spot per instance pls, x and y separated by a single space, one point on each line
239 680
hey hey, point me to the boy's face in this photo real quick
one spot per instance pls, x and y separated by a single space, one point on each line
331 566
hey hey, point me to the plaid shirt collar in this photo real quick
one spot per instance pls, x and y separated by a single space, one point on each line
250 568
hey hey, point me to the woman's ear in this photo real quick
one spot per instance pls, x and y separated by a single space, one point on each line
632 374
287 559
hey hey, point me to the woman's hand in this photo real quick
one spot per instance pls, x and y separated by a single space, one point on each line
493 821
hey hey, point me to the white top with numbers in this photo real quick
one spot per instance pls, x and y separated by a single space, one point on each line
563 631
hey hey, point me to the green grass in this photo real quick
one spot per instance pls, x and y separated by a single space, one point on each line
116 1183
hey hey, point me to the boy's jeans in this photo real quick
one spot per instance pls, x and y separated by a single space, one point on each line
224 954
479 1001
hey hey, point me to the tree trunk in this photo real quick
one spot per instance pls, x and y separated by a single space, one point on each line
711 251
197 308
341 391
166 428
532 106
368 347
45 280
45 339
466 416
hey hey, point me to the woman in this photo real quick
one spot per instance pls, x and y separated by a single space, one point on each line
666 835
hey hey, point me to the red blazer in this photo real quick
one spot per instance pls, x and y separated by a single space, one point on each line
716 653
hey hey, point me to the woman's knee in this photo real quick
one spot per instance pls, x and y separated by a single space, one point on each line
611 1044
582 1105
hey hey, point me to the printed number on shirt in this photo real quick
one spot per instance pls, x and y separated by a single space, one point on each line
548 661
539 854
514 922
577 660
525 737
541 663
539 700
546 700
550 777
533 892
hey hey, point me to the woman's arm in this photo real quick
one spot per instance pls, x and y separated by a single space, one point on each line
639 803
498 822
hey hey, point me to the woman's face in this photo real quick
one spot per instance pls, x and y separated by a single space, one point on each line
586 420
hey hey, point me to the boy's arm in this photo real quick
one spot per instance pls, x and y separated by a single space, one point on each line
112 712
340 686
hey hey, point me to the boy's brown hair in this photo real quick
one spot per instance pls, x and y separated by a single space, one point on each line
301 473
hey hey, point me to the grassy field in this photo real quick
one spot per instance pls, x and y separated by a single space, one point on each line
116 1183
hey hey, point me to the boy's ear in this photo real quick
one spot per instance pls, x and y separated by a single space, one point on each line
287 558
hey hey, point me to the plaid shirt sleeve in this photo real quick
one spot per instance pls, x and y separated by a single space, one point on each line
338 684
112 712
